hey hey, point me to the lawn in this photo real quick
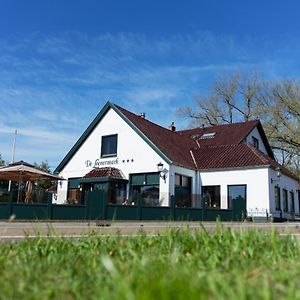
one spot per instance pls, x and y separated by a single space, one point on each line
182 264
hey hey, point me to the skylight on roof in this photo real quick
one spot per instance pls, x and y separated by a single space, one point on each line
209 135
195 136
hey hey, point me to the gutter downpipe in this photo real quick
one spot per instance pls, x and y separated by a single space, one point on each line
197 178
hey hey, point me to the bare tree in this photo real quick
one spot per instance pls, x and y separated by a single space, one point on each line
232 99
241 97
279 110
2 162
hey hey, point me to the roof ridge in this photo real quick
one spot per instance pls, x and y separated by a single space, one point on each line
152 123
221 125
219 146
144 119
173 146
254 125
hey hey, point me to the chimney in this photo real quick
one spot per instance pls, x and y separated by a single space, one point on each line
143 115
172 127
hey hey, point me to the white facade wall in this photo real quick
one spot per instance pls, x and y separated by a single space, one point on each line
283 182
134 155
195 182
137 156
257 190
255 133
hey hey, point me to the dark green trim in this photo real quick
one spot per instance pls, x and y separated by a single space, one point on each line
263 136
144 179
73 182
101 179
83 137
265 140
92 126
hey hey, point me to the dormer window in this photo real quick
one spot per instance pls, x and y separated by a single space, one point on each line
255 142
109 145
209 135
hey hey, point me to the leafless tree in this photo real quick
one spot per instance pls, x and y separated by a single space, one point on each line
241 97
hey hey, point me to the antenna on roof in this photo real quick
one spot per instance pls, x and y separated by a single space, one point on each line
13 155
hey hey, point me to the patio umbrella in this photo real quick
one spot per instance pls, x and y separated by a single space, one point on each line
22 171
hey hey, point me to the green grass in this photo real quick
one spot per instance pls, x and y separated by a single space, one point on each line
182 264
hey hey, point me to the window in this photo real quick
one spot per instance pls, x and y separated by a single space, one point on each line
277 198
147 185
299 200
236 193
183 181
285 200
255 142
117 192
183 193
149 194
73 195
292 202
211 195
210 135
109 145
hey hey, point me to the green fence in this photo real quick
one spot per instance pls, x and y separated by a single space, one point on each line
97 208
68 212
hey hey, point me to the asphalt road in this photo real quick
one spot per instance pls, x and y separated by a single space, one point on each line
19 230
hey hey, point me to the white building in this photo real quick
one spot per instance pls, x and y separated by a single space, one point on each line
126 154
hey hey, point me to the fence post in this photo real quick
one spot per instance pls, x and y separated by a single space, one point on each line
203 208
10 203
139 206
104 207
172 208
49 203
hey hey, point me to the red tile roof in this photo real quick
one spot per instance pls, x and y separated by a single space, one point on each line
228 156
107 172
234 156
227 134
225 150
175 146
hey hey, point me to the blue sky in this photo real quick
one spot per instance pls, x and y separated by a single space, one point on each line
61 60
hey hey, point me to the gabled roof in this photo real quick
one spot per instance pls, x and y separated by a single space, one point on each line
175 147
227 134
93 125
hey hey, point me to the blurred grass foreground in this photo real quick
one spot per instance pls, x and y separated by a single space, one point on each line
181 264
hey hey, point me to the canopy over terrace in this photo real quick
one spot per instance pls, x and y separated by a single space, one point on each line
21 172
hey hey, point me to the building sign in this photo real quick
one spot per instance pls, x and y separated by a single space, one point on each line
98 163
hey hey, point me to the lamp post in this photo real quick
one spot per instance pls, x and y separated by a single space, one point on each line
162 172
278 174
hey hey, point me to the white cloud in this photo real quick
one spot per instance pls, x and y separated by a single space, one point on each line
52 87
